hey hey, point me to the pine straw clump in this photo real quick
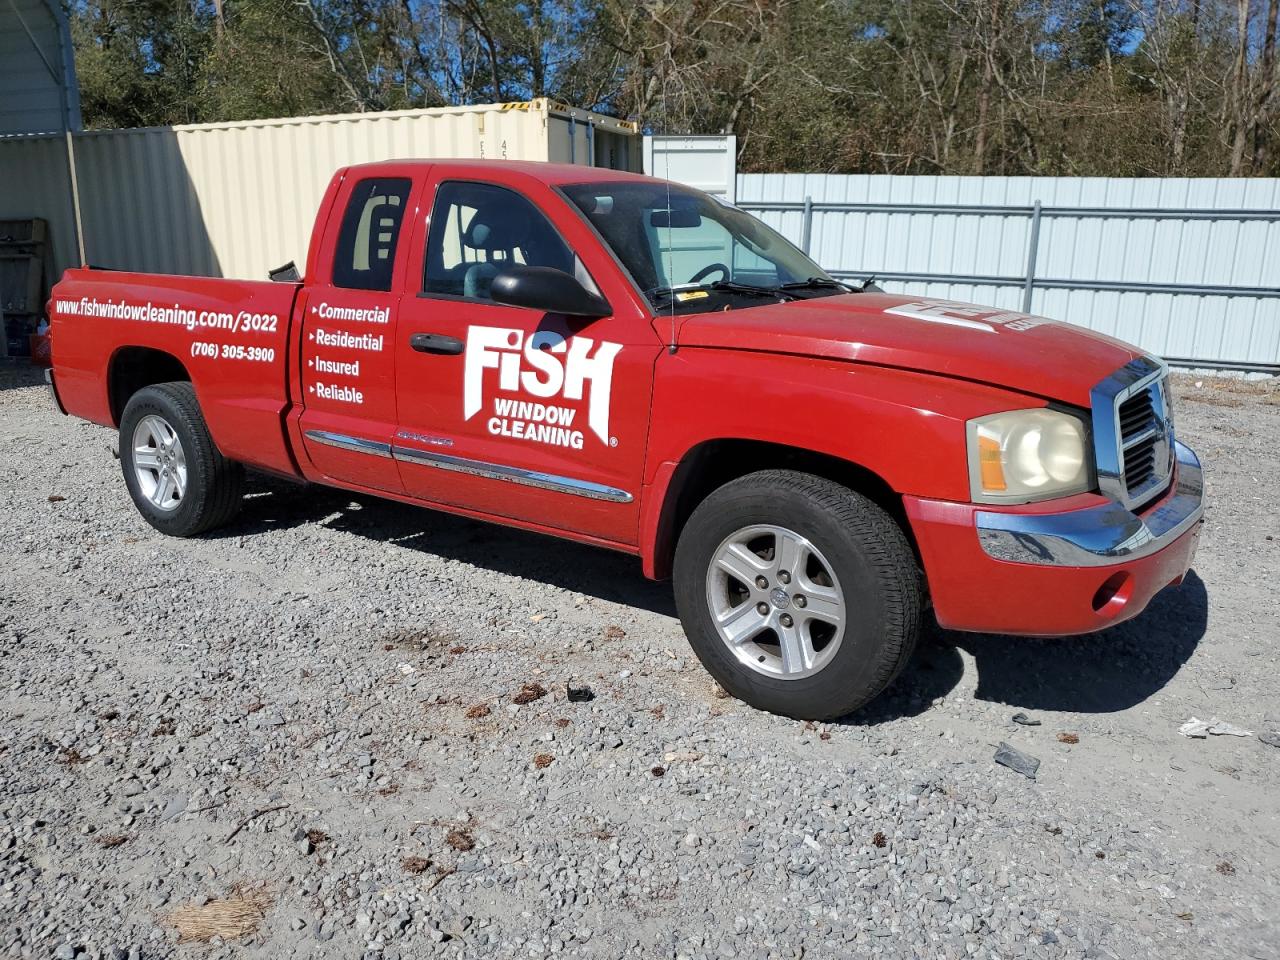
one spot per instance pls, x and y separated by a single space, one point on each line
233 917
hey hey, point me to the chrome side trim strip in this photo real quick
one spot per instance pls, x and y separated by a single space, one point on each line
497 471
476 468
354 444
1097 536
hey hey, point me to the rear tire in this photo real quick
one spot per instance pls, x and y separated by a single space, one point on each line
179 481
826 605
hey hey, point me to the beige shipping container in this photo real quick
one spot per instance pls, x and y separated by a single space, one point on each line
236 199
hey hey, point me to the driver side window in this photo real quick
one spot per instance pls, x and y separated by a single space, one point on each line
476 230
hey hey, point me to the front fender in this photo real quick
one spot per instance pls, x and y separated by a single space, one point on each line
906 427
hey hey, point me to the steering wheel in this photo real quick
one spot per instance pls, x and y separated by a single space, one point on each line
710 269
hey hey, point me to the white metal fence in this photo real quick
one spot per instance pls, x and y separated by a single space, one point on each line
1188 269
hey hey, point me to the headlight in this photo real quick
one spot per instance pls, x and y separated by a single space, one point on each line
1024 455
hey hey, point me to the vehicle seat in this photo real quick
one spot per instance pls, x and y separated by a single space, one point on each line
476 281
490 231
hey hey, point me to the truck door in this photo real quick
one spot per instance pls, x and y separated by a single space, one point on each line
509 411
347 362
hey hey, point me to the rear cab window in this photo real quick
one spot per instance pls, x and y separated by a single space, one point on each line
366 251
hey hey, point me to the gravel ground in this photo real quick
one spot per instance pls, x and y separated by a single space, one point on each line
306 736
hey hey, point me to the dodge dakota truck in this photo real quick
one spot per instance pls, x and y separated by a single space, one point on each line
634 364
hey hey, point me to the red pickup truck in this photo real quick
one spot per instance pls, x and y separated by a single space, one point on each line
635 364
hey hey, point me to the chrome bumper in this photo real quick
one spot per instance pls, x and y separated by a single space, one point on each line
1098 536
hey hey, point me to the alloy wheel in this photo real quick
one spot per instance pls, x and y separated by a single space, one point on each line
159 463
775 601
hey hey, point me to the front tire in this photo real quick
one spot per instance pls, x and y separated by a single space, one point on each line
179 481
798 595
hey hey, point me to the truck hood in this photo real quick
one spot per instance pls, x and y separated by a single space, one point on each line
1013 350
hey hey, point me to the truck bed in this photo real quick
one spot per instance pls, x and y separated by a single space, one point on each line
230 337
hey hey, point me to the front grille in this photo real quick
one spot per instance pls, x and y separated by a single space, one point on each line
1140 434
1137 414
1133 433
1145 443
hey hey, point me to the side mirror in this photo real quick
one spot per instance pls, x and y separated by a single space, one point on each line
546 289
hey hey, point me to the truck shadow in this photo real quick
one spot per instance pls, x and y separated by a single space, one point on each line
20 374
1103 672
593 571
1098 673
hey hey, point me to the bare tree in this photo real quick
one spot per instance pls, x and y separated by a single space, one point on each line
1268 93
1242 99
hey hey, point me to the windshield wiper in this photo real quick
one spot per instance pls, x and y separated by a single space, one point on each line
725 286
812 282
748 288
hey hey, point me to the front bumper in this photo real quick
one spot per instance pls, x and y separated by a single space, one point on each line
1101 535
1054 572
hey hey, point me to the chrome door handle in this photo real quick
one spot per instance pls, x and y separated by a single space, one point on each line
435 343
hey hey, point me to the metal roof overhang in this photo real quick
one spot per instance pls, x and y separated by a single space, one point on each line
32 21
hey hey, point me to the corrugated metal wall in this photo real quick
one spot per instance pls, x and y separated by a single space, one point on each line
35 63
1121 251
34 183
235 200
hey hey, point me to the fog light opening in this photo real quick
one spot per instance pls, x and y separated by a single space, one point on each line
1113 594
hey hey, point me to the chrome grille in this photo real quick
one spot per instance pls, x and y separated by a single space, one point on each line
1139 436
1133 434
1137 414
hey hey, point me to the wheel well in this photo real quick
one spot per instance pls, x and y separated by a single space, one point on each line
133 368
712 464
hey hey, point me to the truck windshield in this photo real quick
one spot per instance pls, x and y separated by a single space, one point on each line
689 251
